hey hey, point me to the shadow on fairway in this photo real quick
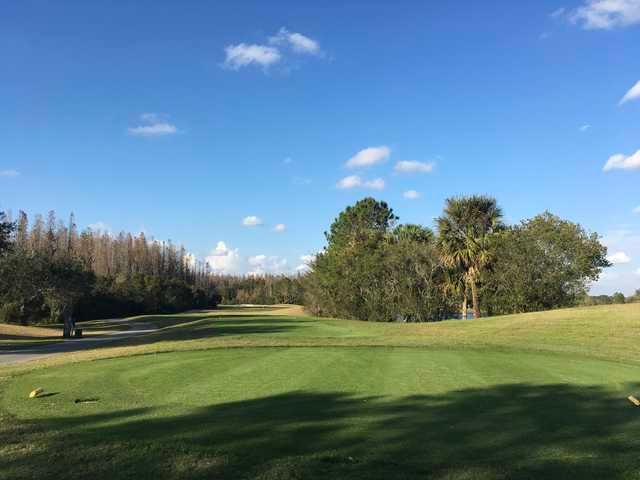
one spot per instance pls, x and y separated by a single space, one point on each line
225 326
509 431
172 328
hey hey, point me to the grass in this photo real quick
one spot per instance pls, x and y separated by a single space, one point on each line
18 335
262 393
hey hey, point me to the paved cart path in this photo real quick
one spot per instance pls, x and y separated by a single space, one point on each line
20 354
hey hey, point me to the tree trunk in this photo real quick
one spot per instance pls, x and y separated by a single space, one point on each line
69 322
464 305
474 295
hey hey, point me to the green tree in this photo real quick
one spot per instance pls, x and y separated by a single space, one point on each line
618 297
464 237
65 283
545 262
412 276
348 276
6 230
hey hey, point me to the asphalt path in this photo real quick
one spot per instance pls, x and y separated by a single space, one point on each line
19 354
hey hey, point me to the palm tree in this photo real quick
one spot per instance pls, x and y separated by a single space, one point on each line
464 235
454 283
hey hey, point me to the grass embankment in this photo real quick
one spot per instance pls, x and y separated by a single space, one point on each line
535 395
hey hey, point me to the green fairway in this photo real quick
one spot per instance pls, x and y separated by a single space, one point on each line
299 397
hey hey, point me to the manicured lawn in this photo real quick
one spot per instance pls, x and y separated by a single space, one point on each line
259 394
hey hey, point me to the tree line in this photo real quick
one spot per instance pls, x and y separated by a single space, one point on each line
259 290
51 272
373 268
616 298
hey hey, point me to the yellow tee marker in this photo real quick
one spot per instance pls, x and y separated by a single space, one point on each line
36 392
634 400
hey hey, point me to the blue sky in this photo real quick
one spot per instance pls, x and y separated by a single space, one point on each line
183 119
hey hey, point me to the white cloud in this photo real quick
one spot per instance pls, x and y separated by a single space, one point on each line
263 265
298 42
411 194
619 258
9 173
637 272
606 14
155 130
243 55
223 260
369 156
585 127
351 181
306 260
624 243
412 166
637 210
154 125
280 227
354 181
251 221
632 94
623 162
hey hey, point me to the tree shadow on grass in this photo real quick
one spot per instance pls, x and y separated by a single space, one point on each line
226 326
193 328
508 431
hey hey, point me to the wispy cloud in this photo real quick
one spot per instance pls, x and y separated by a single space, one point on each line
152 117
280 227
100 227
153 125
9 173
558 12
354 181
637 210
412 166
243 55
606 14
632 94
251 221
281 44
585 127
411 194
298 42
300 181
623 162
369 156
